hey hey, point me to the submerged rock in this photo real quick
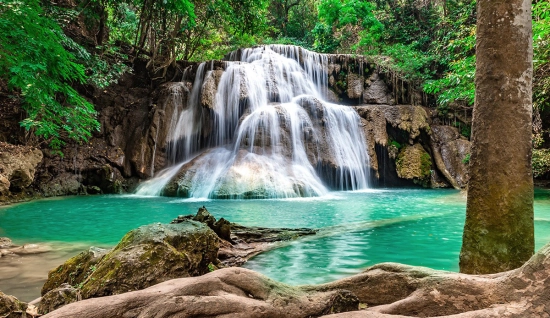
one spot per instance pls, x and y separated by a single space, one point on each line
7 248
239 243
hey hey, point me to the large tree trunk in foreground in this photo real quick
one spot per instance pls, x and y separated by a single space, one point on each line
499 232
382 291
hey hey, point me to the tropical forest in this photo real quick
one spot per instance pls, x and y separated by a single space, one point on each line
274 158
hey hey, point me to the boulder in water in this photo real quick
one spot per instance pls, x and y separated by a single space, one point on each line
239 243
221 227
74 271
5 242
145 256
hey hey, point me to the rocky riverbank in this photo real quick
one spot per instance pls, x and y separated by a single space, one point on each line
382 291
190 246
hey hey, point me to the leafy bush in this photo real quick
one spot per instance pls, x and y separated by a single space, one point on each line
541 58
35 63
541 162
342 21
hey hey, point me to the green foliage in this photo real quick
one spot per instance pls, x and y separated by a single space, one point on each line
456 47
425 166
395 144
35 63
410 63
541 162
346 24
466 159
164 31
457 84
325 41
541 59
122 22
211 267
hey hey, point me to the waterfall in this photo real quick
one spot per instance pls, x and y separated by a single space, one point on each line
271 133
186 123
153 187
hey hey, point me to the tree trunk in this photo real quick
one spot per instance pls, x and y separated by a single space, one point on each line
499 231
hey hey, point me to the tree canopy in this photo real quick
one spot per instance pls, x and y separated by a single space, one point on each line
429 43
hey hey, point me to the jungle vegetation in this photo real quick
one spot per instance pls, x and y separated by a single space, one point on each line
49 49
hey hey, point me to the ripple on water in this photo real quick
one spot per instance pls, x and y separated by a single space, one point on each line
358 229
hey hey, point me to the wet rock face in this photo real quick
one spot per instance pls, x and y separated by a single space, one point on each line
355 86
451 152
17 166
146 256
210 87
414 163
377 92
389 129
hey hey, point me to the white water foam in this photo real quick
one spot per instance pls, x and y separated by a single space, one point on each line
266 141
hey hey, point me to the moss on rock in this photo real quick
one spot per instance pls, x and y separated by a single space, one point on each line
11 307
144 257
58 297
75 270
414 163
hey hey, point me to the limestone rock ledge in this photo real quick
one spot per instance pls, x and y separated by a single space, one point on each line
17 167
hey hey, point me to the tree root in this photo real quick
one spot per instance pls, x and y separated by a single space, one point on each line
382 291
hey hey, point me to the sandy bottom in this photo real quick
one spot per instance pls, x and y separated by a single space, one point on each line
23 276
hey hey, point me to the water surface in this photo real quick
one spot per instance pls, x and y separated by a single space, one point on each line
357 230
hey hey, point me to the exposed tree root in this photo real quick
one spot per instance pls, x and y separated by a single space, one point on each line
382 291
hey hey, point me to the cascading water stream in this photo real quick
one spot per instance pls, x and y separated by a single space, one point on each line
272 133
